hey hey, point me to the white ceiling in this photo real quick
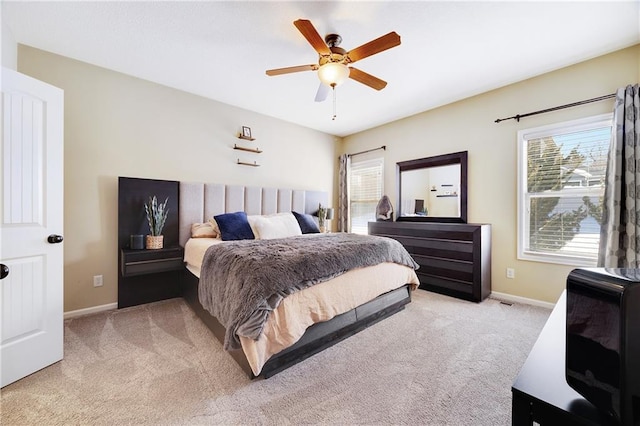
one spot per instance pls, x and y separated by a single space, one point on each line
450 50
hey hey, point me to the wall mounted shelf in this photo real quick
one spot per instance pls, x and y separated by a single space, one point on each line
242 148
246 135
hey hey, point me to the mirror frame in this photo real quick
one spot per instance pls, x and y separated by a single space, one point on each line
422 163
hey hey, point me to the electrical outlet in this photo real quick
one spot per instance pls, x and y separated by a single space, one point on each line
97 280
511 273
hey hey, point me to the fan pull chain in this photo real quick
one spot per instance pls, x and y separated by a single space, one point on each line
333 87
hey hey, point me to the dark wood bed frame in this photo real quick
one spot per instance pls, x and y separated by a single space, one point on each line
317 337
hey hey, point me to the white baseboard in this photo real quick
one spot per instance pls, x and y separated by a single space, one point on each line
91 310
519 299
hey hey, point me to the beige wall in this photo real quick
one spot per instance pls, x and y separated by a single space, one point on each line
117 125
469 125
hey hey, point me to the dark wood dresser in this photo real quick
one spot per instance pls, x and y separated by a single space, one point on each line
454 258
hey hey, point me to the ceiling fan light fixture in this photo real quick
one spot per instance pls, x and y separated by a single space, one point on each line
333 74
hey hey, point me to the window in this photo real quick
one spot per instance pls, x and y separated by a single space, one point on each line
561 170
365 190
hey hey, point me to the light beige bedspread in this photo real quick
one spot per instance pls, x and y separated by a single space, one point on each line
318 303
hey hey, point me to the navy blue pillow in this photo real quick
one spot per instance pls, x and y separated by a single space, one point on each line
307 224
234 226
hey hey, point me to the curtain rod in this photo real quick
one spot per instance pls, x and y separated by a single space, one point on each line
384 147
517 117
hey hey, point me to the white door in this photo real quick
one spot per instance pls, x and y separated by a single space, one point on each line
31 296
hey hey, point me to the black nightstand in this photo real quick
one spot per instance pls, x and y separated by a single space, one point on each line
142 262
149 275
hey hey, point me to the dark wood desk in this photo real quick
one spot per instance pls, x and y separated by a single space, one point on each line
540 392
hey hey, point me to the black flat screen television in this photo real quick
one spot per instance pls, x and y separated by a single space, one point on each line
603 340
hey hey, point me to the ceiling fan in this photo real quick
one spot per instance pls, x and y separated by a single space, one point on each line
334 62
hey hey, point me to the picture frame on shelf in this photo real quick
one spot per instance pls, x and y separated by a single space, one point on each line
246 132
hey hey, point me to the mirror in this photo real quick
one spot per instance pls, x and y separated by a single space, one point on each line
433 189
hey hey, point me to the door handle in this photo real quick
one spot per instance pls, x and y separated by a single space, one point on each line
54 239
4 271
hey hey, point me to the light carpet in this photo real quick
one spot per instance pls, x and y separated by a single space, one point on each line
441 361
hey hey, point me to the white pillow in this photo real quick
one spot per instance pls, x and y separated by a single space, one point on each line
253 220
280 225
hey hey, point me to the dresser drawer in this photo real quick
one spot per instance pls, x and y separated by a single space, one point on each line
429 282
459 272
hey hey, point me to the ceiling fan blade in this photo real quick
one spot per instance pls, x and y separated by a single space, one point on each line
288 70
322 93
378 45
309 32
367 79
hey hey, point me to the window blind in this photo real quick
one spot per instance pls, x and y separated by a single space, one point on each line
365 190
564 189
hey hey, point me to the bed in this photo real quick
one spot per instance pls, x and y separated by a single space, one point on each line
311 317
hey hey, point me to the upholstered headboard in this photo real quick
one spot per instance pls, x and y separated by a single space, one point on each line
201 201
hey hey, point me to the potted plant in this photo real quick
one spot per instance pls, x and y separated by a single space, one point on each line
156 216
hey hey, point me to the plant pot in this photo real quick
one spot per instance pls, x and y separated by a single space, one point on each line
321 225
155 242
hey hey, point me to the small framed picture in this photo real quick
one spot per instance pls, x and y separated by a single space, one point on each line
246 132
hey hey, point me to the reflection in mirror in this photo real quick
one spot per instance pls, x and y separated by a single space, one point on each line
432 191
433 188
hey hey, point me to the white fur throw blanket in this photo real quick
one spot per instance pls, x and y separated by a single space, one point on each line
241 282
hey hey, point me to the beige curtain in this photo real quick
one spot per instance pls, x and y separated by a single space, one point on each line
343 193
620 231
